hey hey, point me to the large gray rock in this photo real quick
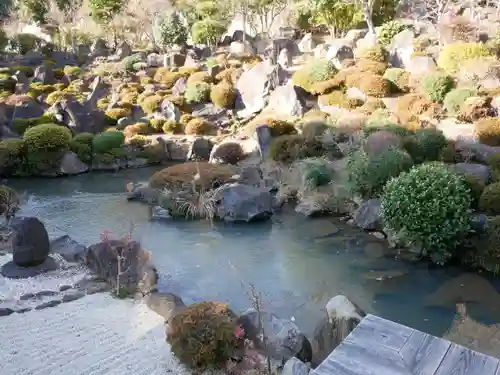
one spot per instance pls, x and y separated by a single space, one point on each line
167 305
170 111
72 165
45 75
306 45
78 117
283 338
255 85
264 139
339 50
367 216
68 248
142 192
286 101
123 264
244 203
342 317
479 171
401 48
99 90
295 367
30 242
418 65
200 149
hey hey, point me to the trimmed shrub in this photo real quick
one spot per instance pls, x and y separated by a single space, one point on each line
81 144
140 128
165 76
435 86
172 31
338 99
486 253
489 202
315 71
229 153
71 70
157 124
223 95
107 141
381 141
20 125
449 154
210 175
151 103
425 145
375 53
138 141
453 56
370 84
456 97
488 131
287 148
316 172
367 175
172 127
11 156
476 188
199 126
410 107
57 96
280 127
114 114
370 66
399 77
195 77
389 30
430 207
185 118
197 92
47 137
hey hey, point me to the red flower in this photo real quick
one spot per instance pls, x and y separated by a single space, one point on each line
239 332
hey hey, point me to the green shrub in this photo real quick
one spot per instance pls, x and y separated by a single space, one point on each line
425 145
489 202
453 56
171 31
23 43
223 95
139 128
375 53
316 172
488 131
151 103
129 62
389 30
395 129
172 127
486 252
367 175
399 78
316 71
338 99
185 118
167 77
11 156
476 188
230 153
435 86
207 31
199 126
157 124
430 207
456 97
47 137
57 96
288 148
71 70
197 92
107 141
372 85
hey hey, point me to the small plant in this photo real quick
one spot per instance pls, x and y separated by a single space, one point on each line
151 103
425 145
315 71
198 126
375 53
223 95
399 78
428 206
435 86
107 141
172 31
389 30
489 202
197 92
456 97
453 56
172 127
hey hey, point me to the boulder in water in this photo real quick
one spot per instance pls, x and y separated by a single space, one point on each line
30 242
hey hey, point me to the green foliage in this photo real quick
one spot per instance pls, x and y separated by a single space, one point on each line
428 206
48 137
197 92
23 43
288 148
3 40
11 156
157 123
71 70
486 252
20 125
435 86
103 11
107 141
129 62
339 16
230 153
399 78
425 145
172 127
315 71
223 95
453 56
316 172
171 31
81 144
151 103
207 31
375 53
199 126
367 175
37 9
490 199
389 30
456 97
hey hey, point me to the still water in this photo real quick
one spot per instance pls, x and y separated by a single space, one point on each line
297 264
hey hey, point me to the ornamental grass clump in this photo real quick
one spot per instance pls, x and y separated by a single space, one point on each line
429 206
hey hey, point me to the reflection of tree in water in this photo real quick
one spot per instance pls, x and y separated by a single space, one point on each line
472 334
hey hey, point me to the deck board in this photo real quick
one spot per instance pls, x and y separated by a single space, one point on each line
382 347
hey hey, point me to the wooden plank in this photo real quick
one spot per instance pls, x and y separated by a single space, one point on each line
380 331
362 358
423 353
462 361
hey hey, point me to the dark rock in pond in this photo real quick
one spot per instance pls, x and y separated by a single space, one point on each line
367 216
167 305
73 296
283 338
64 288
48 304
200 149
13 271
23 310
244 203
384 275
160 213
124 263
68 248
343 317
4 311
30 242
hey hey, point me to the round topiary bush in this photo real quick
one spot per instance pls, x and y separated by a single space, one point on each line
107 141
114 114
56 96
367 174
425 145
47 137
489 202
140 128
228 153
172 127
197 92
157 124
488 131
315 71
196 76
338 99
453 56
381 141
81 145
287 148
199 126
185 118
456 97
430 207
165 76
435 86
223 95
370 84
151 103
203 335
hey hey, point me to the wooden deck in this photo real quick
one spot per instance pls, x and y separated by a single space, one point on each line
382 347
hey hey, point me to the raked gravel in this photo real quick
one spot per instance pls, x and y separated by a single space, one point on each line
95 335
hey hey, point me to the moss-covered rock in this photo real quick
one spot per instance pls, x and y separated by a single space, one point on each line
199 126
172 127
436 85
315 71
223 95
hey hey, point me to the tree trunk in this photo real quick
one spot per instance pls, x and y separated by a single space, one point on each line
369 21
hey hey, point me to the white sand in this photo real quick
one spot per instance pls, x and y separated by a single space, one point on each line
95 335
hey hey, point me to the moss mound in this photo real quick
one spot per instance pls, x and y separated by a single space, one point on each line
107 141
488 131
453 56
223 95
172 127
288 148
316 71
199 126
